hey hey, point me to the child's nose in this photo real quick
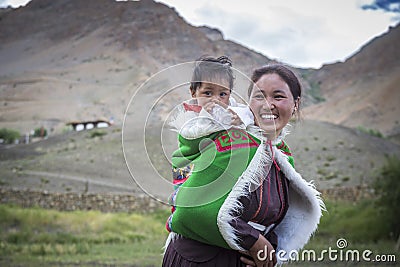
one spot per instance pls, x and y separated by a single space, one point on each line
215 97
218 97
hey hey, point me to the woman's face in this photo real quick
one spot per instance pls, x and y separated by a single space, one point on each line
272 104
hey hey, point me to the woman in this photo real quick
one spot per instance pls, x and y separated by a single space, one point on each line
244 200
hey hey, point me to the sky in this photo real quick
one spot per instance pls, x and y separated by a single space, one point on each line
302 33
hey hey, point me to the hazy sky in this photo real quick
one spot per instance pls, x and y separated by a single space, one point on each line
303 33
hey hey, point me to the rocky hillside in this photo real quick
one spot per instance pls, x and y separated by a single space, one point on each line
56 54
364 90
69 60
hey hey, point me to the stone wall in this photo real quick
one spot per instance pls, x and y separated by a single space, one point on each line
128 202
347 193
77 201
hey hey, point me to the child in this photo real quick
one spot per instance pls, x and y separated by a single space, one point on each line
211 87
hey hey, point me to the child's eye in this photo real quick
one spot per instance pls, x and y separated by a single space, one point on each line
223 94
207 93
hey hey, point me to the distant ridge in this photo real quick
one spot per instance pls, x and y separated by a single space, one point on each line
365 89
91 55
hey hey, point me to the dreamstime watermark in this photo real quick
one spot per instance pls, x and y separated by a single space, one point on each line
334 254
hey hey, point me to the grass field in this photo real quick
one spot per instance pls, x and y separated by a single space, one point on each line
38 237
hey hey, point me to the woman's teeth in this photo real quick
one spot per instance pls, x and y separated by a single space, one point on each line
269 116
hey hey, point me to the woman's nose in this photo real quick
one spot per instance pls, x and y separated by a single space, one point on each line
269 103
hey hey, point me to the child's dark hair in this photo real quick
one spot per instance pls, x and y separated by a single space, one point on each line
208 68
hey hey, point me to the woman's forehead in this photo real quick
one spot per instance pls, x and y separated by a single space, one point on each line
271 82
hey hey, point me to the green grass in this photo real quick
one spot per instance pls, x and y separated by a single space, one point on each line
360 222
362 226
35 236
38 237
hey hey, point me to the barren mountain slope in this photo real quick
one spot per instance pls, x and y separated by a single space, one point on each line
81 60
365 89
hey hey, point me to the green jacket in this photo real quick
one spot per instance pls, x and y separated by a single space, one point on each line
219 159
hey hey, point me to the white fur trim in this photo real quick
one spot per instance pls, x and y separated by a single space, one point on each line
192 125
232 206
305 203
172 236
304 212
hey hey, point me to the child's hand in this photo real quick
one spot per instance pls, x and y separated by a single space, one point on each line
236 121
209 106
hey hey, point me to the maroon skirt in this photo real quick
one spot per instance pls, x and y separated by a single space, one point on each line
185 252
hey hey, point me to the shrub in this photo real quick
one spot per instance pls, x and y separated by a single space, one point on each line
387 187
372 132
40 132
9 135
97 133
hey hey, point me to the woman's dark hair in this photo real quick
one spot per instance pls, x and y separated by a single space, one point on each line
284 72
208 69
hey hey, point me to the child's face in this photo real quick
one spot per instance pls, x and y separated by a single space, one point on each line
209 91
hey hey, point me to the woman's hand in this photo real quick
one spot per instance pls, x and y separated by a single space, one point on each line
247 260
262 252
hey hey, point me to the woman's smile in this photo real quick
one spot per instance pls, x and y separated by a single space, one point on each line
272 104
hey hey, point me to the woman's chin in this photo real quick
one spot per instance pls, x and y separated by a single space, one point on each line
269 130
267 125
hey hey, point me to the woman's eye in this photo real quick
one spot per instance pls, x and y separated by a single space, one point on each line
279 97
259 96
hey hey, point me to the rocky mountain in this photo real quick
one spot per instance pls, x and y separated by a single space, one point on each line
364 90
56 54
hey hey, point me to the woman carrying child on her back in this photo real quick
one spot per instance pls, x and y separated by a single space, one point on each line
243 200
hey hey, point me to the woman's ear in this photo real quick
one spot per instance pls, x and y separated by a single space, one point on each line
297 103
296 106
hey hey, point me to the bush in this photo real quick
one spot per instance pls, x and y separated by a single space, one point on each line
96 133
9 135
40 132
370 132
387 187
